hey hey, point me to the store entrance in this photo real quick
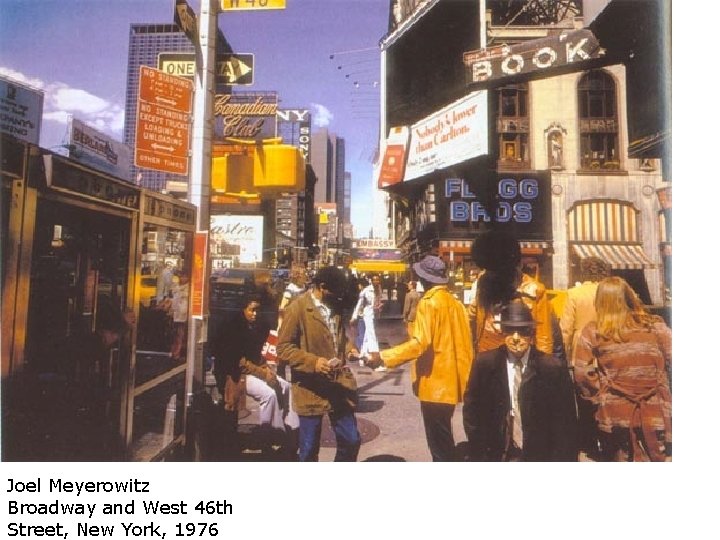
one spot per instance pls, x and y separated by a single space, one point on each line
67 399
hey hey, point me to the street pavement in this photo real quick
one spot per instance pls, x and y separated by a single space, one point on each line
388 412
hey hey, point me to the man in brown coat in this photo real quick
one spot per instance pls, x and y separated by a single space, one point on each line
312 340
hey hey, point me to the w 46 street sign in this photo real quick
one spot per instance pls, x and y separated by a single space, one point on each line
240 5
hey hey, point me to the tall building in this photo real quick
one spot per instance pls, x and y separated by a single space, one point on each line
328 161
291 213
146 42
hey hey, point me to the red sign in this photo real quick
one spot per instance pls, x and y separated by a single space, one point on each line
198 274
392 170
162 132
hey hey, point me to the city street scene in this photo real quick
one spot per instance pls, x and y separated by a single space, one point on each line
336 230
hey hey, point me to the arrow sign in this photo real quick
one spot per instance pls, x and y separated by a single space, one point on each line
230 69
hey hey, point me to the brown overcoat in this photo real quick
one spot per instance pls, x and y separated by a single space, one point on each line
304 337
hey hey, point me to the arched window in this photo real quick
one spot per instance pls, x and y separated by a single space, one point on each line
513 127
597 113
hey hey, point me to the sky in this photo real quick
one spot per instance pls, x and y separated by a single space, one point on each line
311 53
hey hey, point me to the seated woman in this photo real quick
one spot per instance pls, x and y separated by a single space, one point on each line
238 351
622 366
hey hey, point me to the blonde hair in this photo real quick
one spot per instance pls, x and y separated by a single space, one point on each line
619 310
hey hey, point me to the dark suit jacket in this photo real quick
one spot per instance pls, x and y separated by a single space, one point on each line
547 408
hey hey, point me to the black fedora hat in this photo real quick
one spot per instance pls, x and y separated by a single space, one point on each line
516 315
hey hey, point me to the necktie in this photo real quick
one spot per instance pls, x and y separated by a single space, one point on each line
517 432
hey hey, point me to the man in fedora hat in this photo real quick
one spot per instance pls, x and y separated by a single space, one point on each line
519 404
441 348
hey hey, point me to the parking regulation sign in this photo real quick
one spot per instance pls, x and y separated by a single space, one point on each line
162 130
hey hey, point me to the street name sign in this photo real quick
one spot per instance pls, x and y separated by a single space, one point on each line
187 21
162 130
243 5
230 69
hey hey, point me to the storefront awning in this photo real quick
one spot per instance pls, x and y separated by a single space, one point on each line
619 256
378 266
463 246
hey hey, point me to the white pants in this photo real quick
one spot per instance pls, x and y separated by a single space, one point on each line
275 410
370 342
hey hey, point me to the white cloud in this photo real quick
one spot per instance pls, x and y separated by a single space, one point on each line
321 115
61 101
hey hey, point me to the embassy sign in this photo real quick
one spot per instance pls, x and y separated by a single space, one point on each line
497 63
236 69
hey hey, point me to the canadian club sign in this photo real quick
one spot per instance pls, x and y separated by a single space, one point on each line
505 61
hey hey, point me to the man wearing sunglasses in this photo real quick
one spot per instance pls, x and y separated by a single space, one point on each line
519 404
312 340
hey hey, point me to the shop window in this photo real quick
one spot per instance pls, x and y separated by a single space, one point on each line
513 127
597 113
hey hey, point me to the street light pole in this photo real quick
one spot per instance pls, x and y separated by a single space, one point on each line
199 182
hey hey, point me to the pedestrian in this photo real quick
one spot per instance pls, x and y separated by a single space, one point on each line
622 366
369 306
312 339
441 351
296 286
497 253
579 309
360 321
164 284
410 306
578 312
180 298
238 352
519 404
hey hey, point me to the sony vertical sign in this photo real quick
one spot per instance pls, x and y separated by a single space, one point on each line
302 118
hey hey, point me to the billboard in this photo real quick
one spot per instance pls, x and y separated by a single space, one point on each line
100 151
235 240
450 136
20 110
392 169
246 115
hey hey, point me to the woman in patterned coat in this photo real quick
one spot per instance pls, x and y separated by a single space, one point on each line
622 364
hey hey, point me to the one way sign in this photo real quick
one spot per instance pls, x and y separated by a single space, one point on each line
231 69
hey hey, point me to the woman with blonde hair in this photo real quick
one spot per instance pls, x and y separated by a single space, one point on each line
621 367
